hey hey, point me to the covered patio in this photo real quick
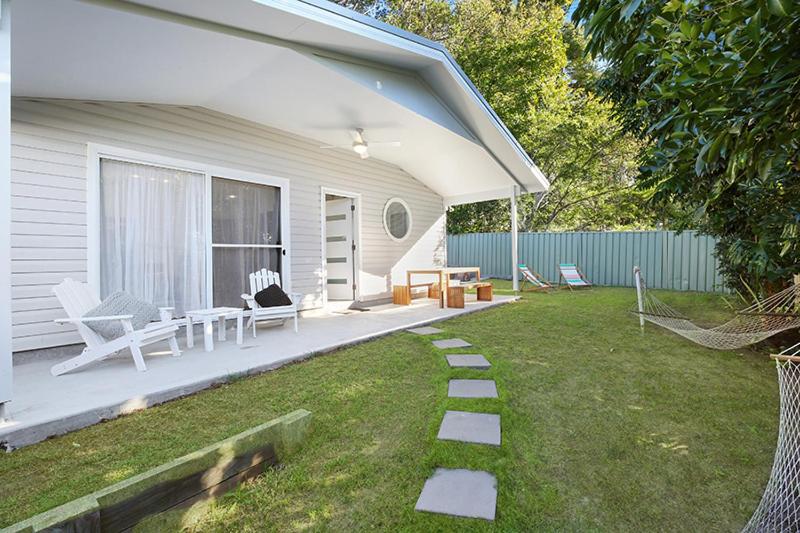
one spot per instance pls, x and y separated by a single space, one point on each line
263 96
45 405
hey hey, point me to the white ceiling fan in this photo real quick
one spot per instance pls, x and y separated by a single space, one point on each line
360 145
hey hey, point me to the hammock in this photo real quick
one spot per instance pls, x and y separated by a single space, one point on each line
760 321
779 509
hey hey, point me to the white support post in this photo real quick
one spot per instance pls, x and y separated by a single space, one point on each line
5 210
638 276
514 241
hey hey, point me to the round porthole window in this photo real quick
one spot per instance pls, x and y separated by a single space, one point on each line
397 219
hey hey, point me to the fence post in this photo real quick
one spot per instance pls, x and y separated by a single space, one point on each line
638 276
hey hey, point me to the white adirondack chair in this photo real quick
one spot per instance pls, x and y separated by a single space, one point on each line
261 280
77 299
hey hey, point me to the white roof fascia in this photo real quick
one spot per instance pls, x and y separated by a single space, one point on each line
333 15
496 194
354 22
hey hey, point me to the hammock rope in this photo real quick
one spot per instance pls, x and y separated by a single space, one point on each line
779 509
763 319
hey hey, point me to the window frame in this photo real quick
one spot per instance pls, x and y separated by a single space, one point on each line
402 202
96 152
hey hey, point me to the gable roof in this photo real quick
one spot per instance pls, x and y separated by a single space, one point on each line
446 57
340 70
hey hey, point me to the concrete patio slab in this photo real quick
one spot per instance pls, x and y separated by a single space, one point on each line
458 360
426 330
451 343
479 428
467 493
472 388
43 405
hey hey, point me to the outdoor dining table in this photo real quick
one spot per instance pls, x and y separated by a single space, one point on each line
443 277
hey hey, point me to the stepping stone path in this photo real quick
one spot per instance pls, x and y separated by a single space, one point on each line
451 343
459 493
480 428
426 330
472 388
468 361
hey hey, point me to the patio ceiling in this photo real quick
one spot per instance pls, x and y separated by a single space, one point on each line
314 71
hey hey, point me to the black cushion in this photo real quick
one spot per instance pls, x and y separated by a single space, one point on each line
272 296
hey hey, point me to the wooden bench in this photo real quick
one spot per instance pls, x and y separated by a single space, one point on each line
401 294
455 295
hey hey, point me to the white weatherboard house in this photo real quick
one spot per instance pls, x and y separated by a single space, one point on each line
171 147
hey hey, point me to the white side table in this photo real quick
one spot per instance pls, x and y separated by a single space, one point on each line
208 317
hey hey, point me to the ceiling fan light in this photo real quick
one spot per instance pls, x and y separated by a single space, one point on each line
360 148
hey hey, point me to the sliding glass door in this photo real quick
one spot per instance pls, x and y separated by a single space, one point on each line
185 239
246 235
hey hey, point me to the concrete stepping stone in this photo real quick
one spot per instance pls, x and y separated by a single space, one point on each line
468 493
480 428
468 361
425 330
472 388
451 343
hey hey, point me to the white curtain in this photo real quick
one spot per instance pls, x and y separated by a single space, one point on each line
152 234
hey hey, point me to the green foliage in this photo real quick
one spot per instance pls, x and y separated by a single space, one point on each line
529 66
591 162
514 54
373 8
716 86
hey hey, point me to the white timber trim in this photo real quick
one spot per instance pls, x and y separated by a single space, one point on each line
407 207
6 369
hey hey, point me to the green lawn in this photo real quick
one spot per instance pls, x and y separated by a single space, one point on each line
604 428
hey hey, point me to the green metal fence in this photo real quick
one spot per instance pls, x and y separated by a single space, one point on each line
668 260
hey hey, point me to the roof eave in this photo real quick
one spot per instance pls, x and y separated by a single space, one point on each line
446 58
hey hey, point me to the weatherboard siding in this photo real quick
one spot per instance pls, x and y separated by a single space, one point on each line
49 233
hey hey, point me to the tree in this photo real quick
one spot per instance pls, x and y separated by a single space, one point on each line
372 8
715 85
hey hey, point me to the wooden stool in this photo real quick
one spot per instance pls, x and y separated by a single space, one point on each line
455 297
401 295
433 291
485 292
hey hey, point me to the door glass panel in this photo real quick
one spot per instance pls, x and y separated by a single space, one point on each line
232 268
397 219
246 232
245 213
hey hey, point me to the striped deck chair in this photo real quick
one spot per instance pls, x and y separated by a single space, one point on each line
573 277
534 279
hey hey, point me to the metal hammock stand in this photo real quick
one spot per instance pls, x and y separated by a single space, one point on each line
761 320
779 509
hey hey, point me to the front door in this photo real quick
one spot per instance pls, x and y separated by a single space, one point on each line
340 248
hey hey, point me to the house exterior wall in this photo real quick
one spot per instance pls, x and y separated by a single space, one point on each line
49 197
